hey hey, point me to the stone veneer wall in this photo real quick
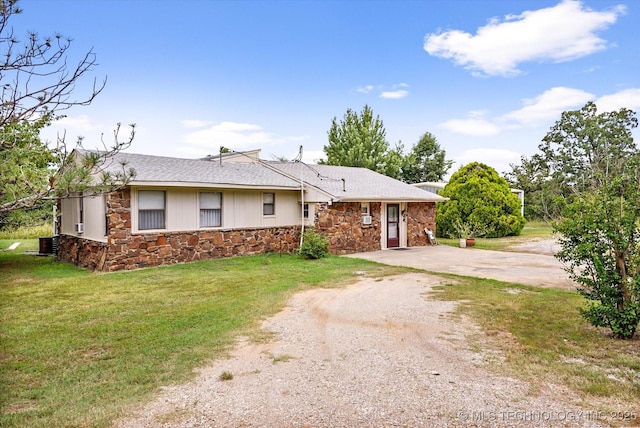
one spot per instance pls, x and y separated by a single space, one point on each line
82 252
341 222
125 250
420 215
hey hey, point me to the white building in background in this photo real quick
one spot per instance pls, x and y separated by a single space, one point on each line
436 187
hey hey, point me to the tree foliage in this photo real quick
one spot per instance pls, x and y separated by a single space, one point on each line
38 82
599 230
426 161
481 200
314 245
360 140
600 245
577 148
25 162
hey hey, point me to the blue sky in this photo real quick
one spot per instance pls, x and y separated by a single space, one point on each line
487 78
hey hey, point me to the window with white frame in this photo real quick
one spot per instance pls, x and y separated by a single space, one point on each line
151 209
106 215
210 209
81 208
268 203
305 211
364 208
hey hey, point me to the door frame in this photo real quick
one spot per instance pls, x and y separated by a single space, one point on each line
402 224
393 242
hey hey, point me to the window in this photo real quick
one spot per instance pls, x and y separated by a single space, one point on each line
81 207
106 216
364 208
210 209
268 203
151 209
305 211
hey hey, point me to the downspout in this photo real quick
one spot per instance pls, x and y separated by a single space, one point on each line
301 198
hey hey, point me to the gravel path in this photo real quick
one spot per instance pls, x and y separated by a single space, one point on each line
379 353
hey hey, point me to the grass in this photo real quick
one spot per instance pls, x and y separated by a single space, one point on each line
539 336
532 230
22 232
79 348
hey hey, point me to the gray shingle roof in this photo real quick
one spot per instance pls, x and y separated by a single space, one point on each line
359 183
341 182
197 171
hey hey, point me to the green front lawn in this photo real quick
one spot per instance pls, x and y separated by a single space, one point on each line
78 348
538 335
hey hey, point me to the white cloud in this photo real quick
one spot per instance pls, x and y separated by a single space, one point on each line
395 91
560 33
195 123
365 89
549 105
72 127
628 98
313 156
78 124
475 125
235 136
394 95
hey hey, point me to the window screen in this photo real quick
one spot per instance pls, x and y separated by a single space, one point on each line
151 209
210 209
268 203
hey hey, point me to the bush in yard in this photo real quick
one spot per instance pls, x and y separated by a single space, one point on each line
314 246
480 199
600 240
599 232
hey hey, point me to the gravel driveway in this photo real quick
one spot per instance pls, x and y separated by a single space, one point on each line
379 353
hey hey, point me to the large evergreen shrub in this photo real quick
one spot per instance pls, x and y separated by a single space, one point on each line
482 200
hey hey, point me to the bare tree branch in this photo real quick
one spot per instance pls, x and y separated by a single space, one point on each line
35 75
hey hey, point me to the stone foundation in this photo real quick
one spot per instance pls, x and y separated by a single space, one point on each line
82 252
157 249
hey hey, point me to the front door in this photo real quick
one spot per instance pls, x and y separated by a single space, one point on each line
393 226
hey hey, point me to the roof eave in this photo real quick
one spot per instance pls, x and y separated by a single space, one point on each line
142 183
392 200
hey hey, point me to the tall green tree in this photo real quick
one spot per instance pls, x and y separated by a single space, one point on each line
426 161
482 201
38 82
359 140
574 152
599 231
545 195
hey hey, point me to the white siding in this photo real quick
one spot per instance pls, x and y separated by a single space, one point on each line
240 209
182 209
69 213
94 218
